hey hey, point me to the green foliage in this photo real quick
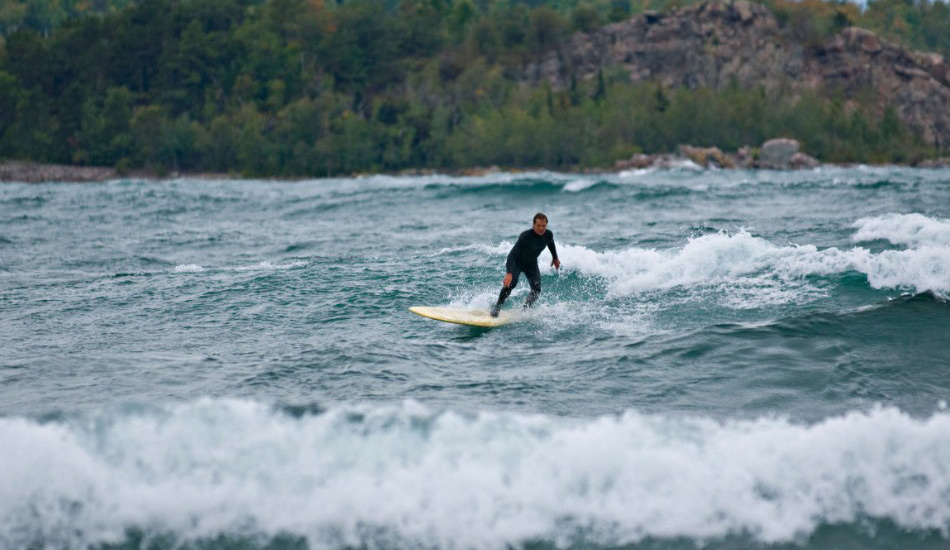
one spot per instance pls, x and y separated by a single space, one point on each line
813 22
585 19
923 24
619 10
547 29
105 134
10 95
303 88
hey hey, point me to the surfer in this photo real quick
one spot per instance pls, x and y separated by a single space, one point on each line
523 258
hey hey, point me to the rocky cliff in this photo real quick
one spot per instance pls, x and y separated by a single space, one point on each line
714 43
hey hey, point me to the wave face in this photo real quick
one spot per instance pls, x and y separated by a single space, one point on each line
744 260
407 476
726 360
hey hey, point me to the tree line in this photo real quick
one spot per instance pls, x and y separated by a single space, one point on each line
304 88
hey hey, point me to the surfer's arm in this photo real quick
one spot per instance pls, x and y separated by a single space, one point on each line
554 260
509 268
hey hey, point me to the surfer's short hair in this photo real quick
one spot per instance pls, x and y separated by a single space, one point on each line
539 216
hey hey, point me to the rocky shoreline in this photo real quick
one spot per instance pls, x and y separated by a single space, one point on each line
35 172
775 154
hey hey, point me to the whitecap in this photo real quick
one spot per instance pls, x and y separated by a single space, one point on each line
761 272
913 230
577 186
481 481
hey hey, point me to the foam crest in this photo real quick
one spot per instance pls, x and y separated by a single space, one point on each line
709 260
268 266
579 185
756 272
262 266
914 230
476 481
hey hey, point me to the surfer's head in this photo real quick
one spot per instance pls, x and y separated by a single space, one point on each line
540 223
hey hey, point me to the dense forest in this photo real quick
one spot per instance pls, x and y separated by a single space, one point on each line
307 88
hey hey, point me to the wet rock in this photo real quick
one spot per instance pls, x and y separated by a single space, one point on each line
636 162
707 157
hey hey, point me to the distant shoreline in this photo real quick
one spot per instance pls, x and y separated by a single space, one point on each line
35 173
16 171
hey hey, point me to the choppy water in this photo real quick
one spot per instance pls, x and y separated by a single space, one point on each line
727 359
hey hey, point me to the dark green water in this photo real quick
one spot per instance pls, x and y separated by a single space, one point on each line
728 359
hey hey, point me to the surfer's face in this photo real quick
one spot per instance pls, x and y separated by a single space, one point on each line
540 226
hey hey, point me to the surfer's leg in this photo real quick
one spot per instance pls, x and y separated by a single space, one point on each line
502 296
534 278
531 299
505 292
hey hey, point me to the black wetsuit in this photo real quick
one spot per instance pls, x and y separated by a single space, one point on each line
523 258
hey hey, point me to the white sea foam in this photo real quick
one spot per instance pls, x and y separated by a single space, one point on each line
262 266
453 481
915 230
742 270
579 185
268 266
635 173
755 271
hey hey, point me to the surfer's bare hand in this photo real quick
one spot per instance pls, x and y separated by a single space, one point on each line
507 280
556 263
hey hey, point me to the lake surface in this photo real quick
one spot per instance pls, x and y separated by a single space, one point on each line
730 359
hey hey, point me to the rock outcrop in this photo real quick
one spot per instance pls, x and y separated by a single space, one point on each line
35 172
715 43
31 172
774 154
783 154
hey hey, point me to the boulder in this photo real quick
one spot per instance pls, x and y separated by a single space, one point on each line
801 161
942 162
777 154
743 158
708 157
636 162
863 39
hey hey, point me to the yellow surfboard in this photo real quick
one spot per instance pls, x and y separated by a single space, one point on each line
470 317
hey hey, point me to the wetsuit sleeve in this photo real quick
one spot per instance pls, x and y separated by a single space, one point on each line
551 246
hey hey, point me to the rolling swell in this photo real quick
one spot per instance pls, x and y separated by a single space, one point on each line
518 187
814 364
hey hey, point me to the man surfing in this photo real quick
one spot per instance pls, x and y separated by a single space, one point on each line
523 258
